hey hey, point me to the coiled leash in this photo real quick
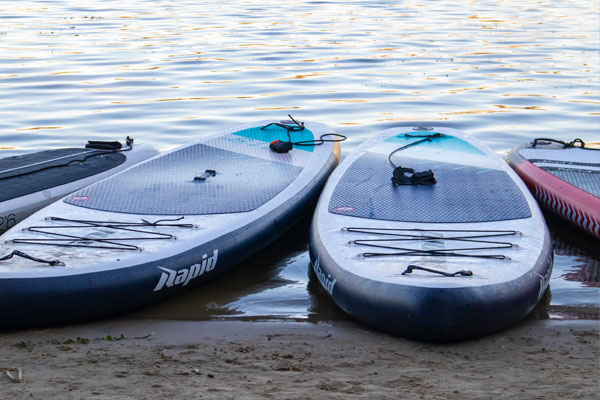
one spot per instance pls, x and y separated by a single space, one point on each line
408 176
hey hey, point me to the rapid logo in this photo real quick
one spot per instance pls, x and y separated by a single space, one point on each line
325 280
185 275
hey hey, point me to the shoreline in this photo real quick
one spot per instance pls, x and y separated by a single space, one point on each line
139 359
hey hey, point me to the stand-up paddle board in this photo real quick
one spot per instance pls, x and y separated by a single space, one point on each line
32 181
165 225
564 177
428 234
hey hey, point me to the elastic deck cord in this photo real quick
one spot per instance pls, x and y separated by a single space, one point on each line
425 235
65 240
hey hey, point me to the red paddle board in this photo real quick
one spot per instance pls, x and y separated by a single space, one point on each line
564 177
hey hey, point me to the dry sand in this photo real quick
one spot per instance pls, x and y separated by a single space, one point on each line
150 359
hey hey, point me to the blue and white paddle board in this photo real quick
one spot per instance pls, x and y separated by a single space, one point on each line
161 227
462 257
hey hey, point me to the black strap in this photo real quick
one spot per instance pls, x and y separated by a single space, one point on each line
27 256
411 268
408 176
564 144
103 145
280 146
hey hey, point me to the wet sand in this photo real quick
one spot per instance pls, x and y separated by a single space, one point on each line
157 359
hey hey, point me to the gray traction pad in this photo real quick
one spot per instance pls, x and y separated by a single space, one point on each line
577 166
574 155
166 186
585 180
461 194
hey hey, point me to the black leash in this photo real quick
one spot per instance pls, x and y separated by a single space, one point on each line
411 268
282 146
426 138
574 143
18 253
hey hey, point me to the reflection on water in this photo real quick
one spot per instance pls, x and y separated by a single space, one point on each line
575 285
279 284
167 72
276 284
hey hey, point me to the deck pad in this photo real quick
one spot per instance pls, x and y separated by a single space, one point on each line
587 180
579 167
462 193
30 173
166 185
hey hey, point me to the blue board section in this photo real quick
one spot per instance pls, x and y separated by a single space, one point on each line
447 142
274 132
461 194
166 185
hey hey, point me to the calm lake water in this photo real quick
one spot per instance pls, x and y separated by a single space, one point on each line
167 72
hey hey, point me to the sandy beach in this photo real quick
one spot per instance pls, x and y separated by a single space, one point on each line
157 359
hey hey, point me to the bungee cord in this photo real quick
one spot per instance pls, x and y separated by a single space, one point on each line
114 243
428 235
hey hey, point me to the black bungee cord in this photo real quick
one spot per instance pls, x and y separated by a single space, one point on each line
428 235
116 243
